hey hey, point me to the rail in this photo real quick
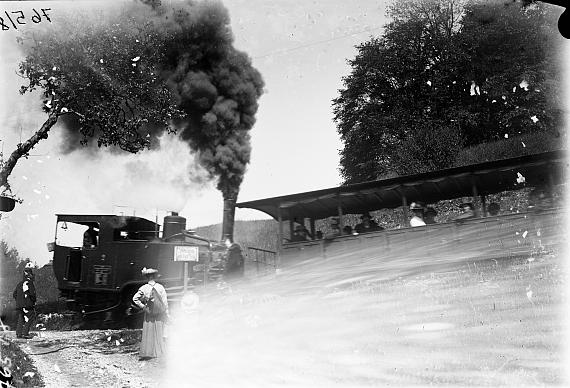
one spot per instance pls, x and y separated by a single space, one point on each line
262 257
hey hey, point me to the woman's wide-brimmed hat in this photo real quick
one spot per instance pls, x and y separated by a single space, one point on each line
416 206
149 271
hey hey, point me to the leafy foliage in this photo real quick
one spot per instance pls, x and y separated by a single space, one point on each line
11 270
24 372
106 77
433 146
527 144
445 75
514 68
46 285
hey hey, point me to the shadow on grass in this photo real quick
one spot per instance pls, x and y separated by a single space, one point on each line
23 371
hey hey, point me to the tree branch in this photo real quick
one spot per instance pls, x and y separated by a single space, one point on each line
24 148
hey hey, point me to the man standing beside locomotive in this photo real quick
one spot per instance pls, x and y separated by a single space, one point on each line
152 298
25 295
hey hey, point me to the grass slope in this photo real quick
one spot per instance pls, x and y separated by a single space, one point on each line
353 321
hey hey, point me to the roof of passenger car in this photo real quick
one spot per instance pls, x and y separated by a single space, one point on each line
488 178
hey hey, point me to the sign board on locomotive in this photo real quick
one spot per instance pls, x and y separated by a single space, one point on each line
185 253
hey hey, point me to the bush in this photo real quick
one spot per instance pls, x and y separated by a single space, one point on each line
46 285
431 146
23 371
532 143
53 321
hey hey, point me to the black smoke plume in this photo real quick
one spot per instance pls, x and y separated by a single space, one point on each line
214 84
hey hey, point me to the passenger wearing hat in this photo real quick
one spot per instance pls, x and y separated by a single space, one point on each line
494 208
417 219
300 234
367 225
25 295
467 211
152 298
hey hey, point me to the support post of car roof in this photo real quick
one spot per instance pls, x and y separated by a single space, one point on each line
279 236
551 187
340 220
405 208
475 196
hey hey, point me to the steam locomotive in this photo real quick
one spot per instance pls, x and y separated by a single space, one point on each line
97 261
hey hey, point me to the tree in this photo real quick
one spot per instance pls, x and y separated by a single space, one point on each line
514 71
444 75
103 79
11 266
398 82
123 79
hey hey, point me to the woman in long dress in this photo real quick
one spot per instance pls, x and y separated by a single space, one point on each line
151 297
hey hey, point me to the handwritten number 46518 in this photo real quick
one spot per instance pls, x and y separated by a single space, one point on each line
18 17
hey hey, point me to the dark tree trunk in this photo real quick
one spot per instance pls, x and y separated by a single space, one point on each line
22 149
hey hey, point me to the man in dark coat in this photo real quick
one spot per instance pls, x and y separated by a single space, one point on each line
235 261
25 295
90 237
367 225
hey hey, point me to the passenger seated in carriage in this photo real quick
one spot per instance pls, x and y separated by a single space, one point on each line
429 216
468 212
367 225
539 199
417 219
300 234
493 209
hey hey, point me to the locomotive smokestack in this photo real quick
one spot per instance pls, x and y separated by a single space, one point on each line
228 220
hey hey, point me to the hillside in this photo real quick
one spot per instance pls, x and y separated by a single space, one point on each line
257 233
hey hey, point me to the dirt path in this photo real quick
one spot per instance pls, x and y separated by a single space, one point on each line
83 359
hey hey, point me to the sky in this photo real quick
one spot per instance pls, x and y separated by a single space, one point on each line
301 49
